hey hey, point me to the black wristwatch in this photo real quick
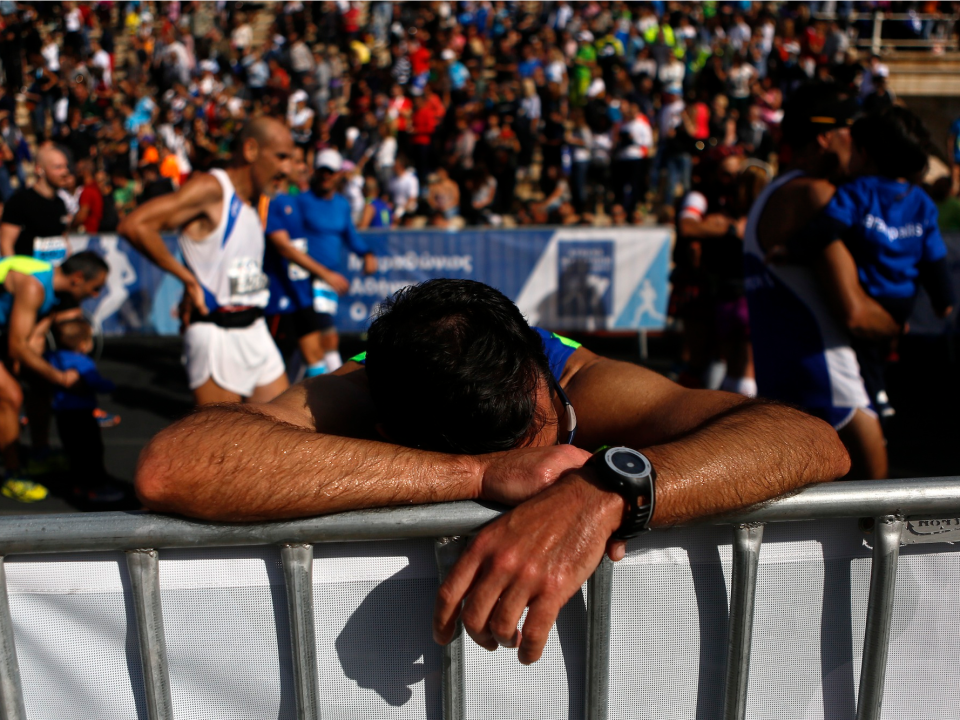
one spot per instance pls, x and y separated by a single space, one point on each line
631 475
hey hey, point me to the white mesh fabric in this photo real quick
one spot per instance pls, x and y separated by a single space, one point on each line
229 652
76 638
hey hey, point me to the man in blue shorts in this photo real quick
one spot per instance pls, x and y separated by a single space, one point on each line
459 398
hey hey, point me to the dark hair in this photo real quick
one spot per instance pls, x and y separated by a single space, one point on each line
72 333
87 263
895 140
454 367
808 106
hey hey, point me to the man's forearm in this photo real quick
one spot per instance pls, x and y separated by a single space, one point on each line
751 453
235 463
150 243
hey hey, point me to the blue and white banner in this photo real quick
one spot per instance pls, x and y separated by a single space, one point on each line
567 279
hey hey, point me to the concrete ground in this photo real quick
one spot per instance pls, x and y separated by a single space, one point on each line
152 392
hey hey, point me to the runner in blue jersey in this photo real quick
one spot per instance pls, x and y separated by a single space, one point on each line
803 316
328 228
890 226
291 316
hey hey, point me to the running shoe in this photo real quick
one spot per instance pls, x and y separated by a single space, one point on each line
105 419
22 490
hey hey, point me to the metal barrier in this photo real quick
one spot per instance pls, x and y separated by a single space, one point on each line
877 43
141 535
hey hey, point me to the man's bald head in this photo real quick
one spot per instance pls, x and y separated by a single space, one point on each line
52 165
266 147
263 130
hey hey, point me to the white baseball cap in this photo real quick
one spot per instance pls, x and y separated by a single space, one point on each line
329 159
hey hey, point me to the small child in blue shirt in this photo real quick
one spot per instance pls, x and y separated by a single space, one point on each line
890 226
73 409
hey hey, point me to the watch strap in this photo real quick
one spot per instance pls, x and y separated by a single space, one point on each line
638 493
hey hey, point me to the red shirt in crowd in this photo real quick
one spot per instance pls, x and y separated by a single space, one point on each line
424 123
91 198
420 60
399 109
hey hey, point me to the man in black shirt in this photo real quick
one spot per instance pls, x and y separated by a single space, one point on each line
34 220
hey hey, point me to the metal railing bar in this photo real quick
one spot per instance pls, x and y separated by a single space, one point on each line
886 16
876 639
87 532
746 558
297 562
11 692
597 666
144 568
454 670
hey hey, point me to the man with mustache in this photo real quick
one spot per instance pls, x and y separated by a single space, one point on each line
229 353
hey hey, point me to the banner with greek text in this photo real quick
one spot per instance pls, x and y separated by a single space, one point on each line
572 279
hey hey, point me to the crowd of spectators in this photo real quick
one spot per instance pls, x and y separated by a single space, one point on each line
452 113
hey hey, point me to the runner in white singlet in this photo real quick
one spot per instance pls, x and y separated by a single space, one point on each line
228 350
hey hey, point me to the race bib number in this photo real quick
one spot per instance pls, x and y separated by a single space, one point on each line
325 298
50 249
248 283
294 271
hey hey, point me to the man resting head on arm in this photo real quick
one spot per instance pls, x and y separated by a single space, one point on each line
458 398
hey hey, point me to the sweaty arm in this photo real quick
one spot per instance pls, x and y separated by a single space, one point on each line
313 451
191 203
713 453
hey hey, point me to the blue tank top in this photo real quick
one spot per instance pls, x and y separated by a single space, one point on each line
41 270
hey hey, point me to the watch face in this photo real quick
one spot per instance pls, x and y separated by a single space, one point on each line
629 463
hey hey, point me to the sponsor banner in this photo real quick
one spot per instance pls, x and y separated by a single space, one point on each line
578 279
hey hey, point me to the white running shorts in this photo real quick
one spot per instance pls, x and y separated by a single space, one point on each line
238 359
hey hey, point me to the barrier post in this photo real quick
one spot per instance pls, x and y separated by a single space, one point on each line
11 692
447 550
887 531
599 594
877 40
144 568
746 557
297 560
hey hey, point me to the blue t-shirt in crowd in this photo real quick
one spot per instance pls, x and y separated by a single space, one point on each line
893 228
328 227
82 396
289 283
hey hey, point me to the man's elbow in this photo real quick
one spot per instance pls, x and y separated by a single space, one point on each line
153 481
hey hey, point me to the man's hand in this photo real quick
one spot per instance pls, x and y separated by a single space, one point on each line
537 556
195 292
69 378
516 475
369 264
337 281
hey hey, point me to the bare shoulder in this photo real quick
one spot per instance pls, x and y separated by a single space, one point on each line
791 207
335 404
25 287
